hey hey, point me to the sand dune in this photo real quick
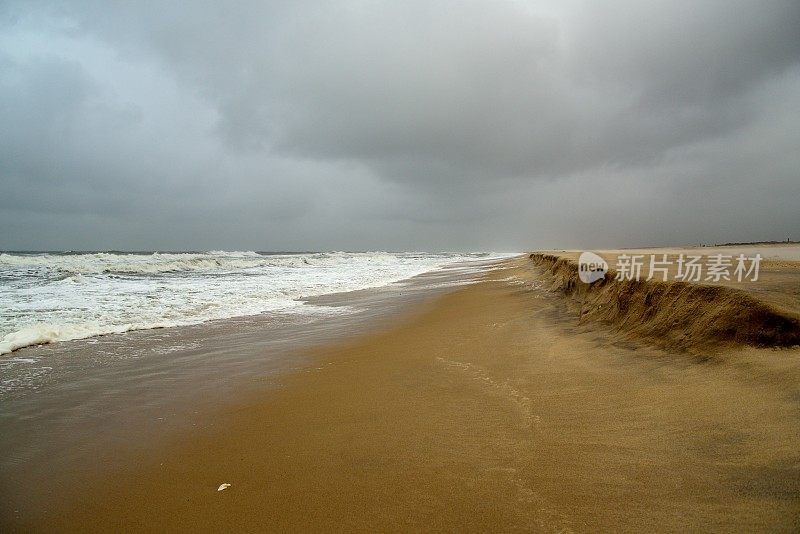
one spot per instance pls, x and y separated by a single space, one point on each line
677 315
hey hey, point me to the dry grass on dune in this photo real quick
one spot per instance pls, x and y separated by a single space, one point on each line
677 315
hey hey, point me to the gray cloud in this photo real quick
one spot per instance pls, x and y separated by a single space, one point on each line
358 125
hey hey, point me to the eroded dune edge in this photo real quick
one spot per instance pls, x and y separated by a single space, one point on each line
677 315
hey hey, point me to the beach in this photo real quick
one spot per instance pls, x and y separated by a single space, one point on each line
488 406
399 266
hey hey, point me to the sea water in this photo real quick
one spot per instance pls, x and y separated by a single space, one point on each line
58 296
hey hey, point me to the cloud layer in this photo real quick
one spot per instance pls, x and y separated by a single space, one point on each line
398 125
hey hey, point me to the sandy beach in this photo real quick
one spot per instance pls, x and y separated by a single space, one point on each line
519 266
492 407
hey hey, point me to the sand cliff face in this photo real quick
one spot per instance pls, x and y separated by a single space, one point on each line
676 315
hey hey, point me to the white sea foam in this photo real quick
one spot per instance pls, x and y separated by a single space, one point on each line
46 298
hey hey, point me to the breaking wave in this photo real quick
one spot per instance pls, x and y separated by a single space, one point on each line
49 297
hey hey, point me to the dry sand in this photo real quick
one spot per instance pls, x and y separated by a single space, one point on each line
493 408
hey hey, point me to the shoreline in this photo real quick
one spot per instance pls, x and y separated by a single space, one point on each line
110 397
489 408
76 271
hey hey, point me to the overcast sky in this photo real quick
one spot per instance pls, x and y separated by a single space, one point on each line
421 125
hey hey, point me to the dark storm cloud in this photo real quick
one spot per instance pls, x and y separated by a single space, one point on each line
399 124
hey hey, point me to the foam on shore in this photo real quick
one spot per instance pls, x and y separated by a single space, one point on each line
52 297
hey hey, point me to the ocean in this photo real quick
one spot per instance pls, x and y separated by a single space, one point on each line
59 296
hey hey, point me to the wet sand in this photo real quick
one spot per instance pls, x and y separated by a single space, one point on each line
490 408
69 408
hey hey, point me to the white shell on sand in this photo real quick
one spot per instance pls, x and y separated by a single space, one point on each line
223 486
